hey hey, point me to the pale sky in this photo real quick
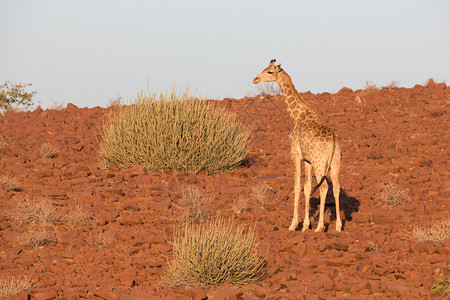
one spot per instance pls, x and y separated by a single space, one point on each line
86 52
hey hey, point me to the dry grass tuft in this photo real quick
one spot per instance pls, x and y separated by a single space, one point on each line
195 205
98 239
13 285
263 194
369 88
115 102
213 254
39 236
393 85
26 210
435 233
2 144
10 183
268 89
77 217
390 194
58 105
240 204
47 151
174 131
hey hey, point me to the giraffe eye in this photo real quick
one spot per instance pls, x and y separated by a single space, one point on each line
270 72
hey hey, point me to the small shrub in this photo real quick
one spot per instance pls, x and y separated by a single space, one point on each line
115 102
77 217
13 94
213 254
47 151
263 194
13 285
41 212
394 84
40 236
268 89
435 233
10 183
98 239
390 194
174 131
196 206
239 205
58 105
442 285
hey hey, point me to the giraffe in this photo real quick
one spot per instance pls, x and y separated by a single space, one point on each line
311 142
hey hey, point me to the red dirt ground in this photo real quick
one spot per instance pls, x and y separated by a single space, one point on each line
400 134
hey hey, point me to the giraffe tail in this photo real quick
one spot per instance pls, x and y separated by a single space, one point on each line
327 168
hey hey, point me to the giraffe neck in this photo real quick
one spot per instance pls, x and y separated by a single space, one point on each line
298 108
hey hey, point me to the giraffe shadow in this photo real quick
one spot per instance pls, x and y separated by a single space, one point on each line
347 203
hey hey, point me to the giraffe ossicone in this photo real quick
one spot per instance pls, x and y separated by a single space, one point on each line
312 143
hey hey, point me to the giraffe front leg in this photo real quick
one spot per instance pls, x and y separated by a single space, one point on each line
297 162
307 192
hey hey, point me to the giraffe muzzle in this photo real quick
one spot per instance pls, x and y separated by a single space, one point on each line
256 80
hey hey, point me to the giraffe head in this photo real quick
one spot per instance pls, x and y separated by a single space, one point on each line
268 74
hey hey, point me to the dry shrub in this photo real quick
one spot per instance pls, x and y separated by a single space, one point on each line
369 88
390 194
263 194
212 254
239 205
195 205
98 239
10 183
174 131
58 105
13 285
394 84
77 217
39 236
47 151
26 210
268 89
435 233
115 102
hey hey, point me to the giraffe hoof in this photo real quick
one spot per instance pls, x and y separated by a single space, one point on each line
319 229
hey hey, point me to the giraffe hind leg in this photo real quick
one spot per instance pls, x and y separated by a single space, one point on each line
334 176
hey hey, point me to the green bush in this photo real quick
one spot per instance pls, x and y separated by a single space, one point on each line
212 254
174 131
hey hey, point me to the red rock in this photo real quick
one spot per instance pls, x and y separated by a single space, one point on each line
196 293
345 90
322 246
43 295
129 220
228 294
300 249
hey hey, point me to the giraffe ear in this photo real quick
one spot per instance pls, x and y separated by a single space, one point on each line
278 68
